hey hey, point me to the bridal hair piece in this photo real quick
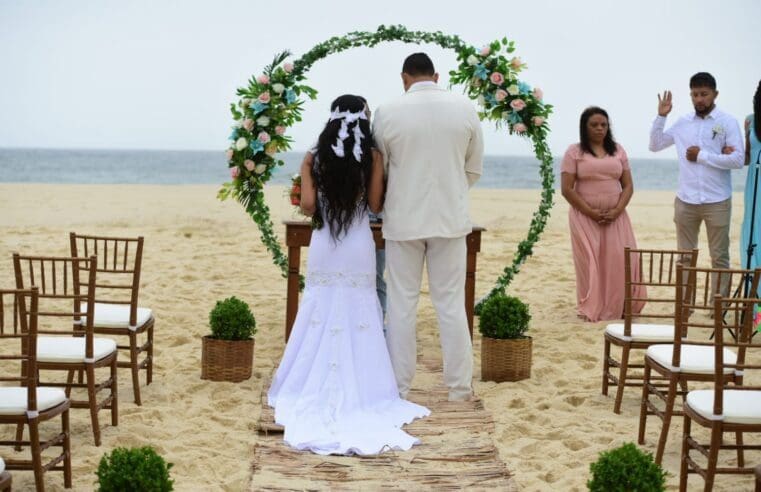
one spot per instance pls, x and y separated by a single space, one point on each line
347 117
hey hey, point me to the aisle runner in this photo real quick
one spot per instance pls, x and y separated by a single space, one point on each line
457 451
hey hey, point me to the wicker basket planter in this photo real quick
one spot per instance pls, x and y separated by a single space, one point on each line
505 359
226 360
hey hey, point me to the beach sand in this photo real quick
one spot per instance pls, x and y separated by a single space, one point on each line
198 250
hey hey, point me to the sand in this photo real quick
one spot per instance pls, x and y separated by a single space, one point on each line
548 428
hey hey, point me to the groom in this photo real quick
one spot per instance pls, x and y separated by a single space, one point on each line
432 149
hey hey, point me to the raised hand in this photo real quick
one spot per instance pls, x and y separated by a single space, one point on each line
664 103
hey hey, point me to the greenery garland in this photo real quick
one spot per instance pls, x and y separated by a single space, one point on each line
272 102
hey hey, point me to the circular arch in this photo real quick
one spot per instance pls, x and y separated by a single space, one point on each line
273 101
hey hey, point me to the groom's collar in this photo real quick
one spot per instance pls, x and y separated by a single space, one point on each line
422 85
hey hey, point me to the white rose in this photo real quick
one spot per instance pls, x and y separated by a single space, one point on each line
262 121
513 90
260 168
241 143
278 88
472 60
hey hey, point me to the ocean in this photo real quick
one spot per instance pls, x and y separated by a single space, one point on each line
169 167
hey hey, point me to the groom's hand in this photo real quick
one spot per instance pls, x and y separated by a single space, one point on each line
664 103
692 153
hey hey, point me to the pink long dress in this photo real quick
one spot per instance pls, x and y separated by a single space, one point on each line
598 250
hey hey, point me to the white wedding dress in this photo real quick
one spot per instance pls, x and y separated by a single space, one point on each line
335 391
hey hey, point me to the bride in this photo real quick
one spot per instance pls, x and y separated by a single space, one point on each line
335 391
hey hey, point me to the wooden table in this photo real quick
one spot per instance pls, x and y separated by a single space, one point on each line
298 233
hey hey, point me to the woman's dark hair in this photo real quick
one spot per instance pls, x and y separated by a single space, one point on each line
342 182
757 110
608 143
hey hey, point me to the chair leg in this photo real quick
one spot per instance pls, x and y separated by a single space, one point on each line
34 442
605 367
713 456
93 402
66 449
149 368
19 437
69 382
114 393
133 365
622 378
668 411
643 404
740 450
683 472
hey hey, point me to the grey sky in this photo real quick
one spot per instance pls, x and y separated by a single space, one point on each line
161 74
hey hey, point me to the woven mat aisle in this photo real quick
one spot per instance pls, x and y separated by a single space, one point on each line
457 451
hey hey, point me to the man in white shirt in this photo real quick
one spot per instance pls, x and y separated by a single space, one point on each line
708 144
432 149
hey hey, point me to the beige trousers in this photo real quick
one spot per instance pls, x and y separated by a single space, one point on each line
445 259
716 216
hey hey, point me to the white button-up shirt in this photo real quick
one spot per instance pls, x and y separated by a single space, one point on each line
707 180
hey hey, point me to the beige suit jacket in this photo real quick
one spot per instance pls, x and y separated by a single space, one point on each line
432 149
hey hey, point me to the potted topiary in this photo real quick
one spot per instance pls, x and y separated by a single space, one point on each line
228 353
505 349
626 469
134 469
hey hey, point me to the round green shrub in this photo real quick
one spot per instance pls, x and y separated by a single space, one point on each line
134 469
626 469
232 319
504 317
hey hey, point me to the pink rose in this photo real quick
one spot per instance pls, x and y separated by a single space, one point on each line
517 104
519 128
500 95
537 120
264 97
485 51
234 172
229 153
288 67
538 93
280 130
263 79
250 165
263 137
248 124
497 78
516 63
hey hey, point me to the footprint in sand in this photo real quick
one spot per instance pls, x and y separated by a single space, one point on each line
575 400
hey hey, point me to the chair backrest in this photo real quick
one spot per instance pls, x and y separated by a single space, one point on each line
657 273
62 293
119 263
695 301
18 308
733 323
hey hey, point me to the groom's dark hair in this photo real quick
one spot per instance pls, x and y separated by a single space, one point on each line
418 64
703 79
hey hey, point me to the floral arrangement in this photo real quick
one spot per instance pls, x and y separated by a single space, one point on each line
272 102
295 193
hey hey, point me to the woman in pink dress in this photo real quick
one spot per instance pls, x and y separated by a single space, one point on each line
597 182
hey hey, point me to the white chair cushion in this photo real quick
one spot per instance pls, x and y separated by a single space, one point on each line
117 315
694 359
13 399
740 407
2 465
71 349
643 332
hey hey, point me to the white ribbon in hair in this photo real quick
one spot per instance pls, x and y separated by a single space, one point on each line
346 118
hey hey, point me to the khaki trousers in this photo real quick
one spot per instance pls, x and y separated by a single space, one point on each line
445 259
716 216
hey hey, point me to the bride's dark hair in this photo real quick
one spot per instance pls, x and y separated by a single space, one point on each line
342 182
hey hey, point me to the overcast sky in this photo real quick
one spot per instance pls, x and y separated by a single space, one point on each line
161 74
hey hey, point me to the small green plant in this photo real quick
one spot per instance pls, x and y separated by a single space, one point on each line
134 469
232 319
626 469
504 317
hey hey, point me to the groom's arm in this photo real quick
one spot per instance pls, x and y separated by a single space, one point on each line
474 156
